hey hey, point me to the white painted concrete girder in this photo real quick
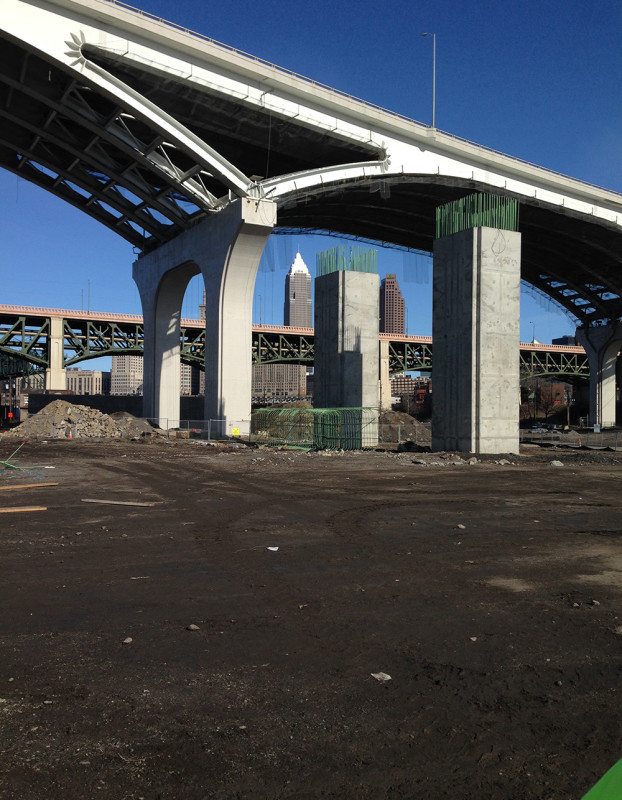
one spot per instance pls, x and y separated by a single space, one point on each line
602 345
226 250
402 147
61 37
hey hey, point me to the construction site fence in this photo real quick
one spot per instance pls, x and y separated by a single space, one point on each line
605 440
307 428
319 428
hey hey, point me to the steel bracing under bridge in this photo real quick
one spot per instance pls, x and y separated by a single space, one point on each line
25 343
151 129
194 152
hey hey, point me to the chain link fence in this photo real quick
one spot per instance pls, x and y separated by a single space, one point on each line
605 440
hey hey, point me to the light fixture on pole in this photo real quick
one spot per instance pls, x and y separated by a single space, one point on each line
433 35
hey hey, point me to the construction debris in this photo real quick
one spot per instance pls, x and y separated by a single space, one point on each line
26 486
63 420
118 502
399 427
15 509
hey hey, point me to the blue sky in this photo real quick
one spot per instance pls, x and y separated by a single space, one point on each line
536 80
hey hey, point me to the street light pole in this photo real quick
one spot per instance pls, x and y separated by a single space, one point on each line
433 35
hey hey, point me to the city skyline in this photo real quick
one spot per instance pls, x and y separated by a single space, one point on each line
500 83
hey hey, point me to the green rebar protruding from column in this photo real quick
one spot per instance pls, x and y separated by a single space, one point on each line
477 211
337 259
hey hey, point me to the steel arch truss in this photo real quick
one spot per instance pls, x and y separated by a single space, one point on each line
84 339
275 347
26 340
96 143
409 356
553 364
193 347
12 366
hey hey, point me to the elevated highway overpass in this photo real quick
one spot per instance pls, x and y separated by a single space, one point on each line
194 152
26 341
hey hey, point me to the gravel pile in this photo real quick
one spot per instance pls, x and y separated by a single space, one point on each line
63 420
394 424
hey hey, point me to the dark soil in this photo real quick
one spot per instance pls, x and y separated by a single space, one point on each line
490 593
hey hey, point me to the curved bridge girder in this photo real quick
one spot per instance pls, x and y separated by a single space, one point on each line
574 259
149 129
100 146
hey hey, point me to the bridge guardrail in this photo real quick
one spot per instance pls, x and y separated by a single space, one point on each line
338 93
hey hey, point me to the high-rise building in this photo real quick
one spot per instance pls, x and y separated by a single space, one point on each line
392 306
126 375
298 299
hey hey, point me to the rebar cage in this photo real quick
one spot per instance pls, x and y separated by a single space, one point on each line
319 428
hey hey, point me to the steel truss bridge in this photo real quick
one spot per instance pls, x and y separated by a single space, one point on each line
25 337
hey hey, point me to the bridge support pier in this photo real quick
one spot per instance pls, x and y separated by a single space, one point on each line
55 374
384 387
226 250
476 322
602 345
346 349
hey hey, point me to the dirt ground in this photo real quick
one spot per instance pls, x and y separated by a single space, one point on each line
491 593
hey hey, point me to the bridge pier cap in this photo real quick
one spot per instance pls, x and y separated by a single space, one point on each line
226 249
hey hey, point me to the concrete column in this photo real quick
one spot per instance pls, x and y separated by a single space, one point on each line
384 390
55 374
346 350
346 340
226 250
162 293
602 345
476 320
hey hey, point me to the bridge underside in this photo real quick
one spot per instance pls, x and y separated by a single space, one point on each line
86 146
566 256
89 146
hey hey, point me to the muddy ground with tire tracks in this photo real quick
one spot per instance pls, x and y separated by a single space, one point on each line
220 640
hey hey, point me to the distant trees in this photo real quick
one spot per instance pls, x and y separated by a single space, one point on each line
540 398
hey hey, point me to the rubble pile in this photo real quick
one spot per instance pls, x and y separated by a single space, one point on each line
397 425
63 420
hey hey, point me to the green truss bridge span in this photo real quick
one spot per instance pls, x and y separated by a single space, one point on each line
26 335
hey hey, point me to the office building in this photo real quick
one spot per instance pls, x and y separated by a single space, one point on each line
126 375
286 381
87 381
298 311
392 306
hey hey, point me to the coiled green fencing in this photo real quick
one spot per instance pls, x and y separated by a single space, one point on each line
317 428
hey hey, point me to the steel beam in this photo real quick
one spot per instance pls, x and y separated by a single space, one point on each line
26 336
